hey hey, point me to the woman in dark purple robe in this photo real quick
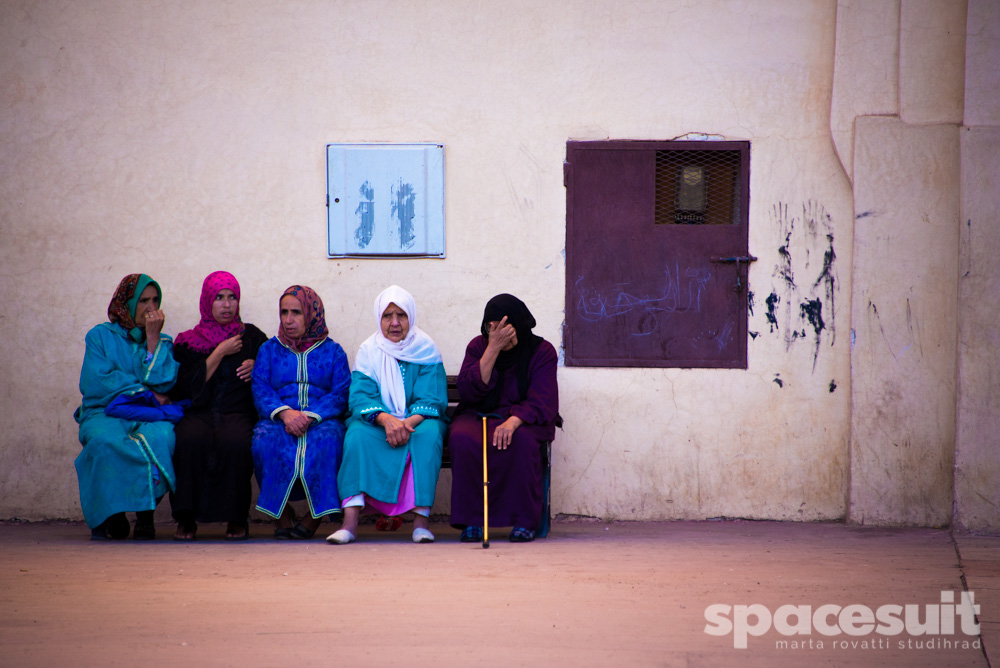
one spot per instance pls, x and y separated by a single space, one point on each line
509 374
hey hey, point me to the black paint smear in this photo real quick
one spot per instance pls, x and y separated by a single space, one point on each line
772 305
833 386
812 311
864 214
874 309
753 334
777 379
829 281
750 301
784 269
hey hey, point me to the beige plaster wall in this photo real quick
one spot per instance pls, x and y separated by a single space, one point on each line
977 455
177 138
866 69
905 309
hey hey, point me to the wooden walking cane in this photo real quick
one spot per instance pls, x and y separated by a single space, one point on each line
486 494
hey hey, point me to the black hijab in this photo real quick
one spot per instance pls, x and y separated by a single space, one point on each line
517 358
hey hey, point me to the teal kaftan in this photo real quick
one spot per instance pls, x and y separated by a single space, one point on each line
370 464
124 465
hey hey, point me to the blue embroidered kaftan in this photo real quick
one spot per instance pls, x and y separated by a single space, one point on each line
315 382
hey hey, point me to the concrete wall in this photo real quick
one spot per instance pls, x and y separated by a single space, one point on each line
182 137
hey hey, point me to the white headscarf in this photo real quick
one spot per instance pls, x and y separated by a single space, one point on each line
377 357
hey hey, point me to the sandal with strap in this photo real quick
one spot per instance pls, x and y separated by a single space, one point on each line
144 527
471 534
522 535
115 527
301 532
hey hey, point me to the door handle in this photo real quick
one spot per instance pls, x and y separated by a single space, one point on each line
737 260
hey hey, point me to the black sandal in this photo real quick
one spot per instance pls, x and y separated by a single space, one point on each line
301 532
144 527
115 527
283 533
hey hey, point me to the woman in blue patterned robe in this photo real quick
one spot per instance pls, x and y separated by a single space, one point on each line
300 387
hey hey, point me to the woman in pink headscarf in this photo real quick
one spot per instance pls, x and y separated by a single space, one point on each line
212 457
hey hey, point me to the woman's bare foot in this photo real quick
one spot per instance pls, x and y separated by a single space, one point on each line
185 531
237 531
283 525
352 515
287 519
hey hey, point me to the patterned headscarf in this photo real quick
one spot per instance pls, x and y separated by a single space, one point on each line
121 310
208 333
312 309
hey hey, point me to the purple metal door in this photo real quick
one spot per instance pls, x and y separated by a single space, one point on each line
656 254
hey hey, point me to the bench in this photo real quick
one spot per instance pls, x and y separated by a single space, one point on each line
546 521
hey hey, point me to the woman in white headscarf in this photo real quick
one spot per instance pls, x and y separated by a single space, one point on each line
399 393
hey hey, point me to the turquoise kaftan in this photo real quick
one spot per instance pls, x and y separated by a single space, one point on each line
370 464
124 465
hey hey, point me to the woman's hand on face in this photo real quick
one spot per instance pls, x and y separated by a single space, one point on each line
230 346
154 324
505 432
245 372
296 422
501 334
397 432
162 398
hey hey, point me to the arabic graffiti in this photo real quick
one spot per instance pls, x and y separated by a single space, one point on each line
680 291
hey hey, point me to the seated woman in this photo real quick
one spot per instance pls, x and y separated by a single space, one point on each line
212 457
509 374
125 464
399 393
300 384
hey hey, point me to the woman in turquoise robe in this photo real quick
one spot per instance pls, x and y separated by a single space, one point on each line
125 464
395 435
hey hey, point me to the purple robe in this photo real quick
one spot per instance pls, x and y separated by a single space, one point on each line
515 474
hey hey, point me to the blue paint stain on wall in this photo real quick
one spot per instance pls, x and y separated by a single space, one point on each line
403 198
366 215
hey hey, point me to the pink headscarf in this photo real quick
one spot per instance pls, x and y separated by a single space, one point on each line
208 333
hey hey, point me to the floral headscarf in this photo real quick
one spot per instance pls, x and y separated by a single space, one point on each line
121 310
315 314
208 333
